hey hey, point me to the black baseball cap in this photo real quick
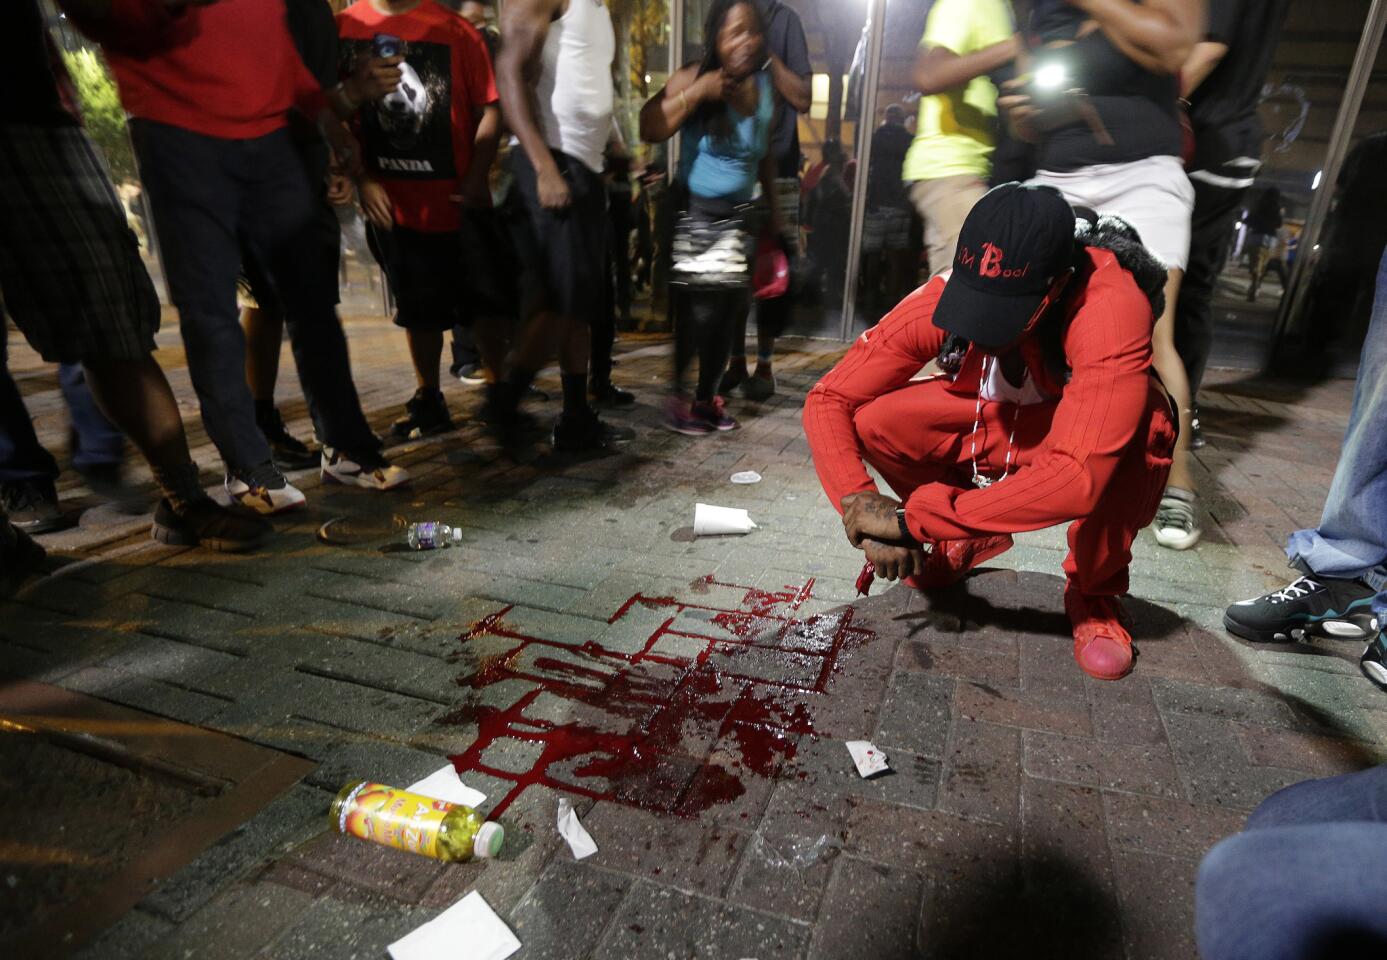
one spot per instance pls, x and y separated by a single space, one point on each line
1015 241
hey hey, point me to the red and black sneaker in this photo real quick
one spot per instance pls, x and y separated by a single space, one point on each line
1102 645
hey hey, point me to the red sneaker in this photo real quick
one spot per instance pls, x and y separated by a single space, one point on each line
1102 645
950 560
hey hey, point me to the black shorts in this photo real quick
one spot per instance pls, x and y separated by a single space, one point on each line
563 253
70 268
424 273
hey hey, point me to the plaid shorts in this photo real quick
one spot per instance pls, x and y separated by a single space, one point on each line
70 268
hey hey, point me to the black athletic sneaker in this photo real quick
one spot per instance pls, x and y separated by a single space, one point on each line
426 413
289 452
204 522
610 395
577 433
32 505
20 556
1319 606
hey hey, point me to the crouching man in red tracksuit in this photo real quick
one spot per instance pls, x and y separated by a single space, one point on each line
1047 412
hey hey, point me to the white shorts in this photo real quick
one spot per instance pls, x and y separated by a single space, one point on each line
1153 195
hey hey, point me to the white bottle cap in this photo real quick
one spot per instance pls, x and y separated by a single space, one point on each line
487 843
457 534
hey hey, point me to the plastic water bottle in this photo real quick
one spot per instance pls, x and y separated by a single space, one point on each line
433 536
410 821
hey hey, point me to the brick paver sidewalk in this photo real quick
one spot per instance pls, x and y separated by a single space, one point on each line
692 697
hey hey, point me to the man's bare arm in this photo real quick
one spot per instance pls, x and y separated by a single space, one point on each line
1158 34
1202 62
938 69
797 91
524 28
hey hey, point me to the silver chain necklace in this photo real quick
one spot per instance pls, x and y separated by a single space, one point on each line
980 481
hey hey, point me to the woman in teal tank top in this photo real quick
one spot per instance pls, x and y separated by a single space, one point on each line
722 108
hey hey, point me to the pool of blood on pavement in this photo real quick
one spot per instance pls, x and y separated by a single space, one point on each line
661 715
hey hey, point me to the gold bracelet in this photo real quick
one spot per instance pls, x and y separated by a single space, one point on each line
685 101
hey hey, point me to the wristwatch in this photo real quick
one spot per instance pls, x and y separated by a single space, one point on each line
905 530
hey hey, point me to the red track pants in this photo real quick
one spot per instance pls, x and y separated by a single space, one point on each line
922 434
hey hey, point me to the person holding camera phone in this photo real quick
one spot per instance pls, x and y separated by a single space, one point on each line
1101 101
427 143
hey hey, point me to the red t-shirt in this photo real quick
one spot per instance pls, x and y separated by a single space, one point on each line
227 70
418 141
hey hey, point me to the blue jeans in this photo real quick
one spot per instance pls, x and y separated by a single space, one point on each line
1351 540
1306 879
23 459
209 196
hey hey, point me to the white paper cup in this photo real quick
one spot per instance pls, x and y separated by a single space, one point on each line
711 521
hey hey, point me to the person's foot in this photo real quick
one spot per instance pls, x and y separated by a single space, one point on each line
289 452
610 395
1177 520
732 378
1319 606
680 417
1196 430
206 523
264 489
426 414
760 385
471 374
106 480
32 505
580 433
950 560
20 556
1102 645
714 412
366 469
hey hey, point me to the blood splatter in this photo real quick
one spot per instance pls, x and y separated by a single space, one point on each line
665 732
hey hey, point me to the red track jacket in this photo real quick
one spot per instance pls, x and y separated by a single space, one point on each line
1107 347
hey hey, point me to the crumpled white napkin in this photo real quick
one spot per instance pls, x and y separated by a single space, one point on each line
571 829
468 930
443 784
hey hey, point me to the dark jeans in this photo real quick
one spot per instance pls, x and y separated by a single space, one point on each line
209 196
1306 879
703 326
1211 230
22 458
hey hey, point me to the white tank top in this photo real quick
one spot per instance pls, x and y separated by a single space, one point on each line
575 82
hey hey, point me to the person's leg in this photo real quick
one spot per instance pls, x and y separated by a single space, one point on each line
106 314
1211 231
1100 545
277 216
423 273
1305 892
195 195
715 340
1350 542
944 204
27 470
1360 796
97 448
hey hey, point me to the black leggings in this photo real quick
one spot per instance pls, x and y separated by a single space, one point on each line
703 326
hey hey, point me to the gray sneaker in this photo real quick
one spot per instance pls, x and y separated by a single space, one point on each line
1177 520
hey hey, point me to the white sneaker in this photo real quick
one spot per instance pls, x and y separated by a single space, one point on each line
373 472
1177 520
264 490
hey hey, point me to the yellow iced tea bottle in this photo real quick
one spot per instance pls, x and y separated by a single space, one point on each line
409 821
